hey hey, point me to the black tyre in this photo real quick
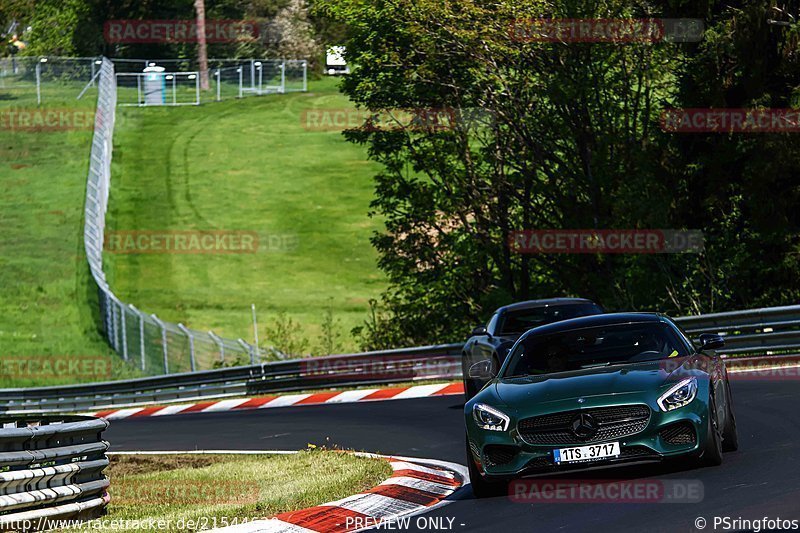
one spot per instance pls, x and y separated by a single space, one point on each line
471 388
730 435
712 451
482 488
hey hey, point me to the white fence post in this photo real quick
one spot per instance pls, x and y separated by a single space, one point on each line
114 324
38 70
189 335
260 69
252 75
124 331
163 341
219 343
141 333
249 349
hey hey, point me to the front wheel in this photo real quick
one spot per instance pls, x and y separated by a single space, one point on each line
482 488
730 435
712 451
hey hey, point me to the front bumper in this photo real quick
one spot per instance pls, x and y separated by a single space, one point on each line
507 455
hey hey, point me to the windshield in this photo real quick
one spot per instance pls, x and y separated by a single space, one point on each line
518 322
593 347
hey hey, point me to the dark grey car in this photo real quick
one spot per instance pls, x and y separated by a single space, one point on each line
508 323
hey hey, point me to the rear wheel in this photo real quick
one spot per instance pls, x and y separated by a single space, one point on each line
482 488
712 451
730 435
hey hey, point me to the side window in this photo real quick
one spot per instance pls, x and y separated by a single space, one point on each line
514 361
492 324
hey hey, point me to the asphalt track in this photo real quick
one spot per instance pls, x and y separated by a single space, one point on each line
761 480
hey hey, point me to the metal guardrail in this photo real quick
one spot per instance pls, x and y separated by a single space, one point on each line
369 368
752 331
756 332
53 470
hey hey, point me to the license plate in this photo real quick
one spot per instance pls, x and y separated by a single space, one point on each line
583 454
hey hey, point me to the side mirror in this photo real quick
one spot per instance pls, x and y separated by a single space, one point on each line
479 330
711 341
481 370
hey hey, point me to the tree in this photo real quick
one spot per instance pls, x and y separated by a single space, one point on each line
573 142
202 50
295 32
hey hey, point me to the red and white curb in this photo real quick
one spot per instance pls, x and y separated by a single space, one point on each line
268 402
416 486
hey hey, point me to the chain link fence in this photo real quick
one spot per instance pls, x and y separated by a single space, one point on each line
56 78
158 88
153 345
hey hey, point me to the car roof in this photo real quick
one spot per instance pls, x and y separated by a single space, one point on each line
607 319
546 302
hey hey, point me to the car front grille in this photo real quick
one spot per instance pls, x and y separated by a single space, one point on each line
680 433
499 454
608 422
638 453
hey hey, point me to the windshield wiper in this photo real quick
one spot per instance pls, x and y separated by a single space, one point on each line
596 365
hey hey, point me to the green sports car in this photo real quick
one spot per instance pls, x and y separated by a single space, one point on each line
596 391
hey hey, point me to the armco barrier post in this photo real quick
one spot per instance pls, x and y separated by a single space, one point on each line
191 345
305 76
218 84
219 343
163 341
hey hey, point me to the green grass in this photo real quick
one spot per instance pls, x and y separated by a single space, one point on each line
204 488
234 165
45 310
246 165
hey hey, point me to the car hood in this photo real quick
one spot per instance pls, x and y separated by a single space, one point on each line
631 379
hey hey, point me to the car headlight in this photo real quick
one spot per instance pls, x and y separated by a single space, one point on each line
681 394
489 417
